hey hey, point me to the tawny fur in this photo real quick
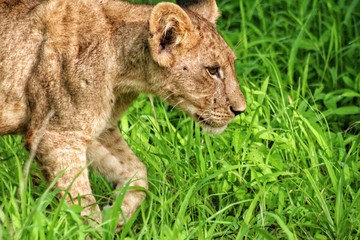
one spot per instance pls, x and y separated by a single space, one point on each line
76 65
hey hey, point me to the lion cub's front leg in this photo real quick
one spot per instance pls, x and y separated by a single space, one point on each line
111 156
63 155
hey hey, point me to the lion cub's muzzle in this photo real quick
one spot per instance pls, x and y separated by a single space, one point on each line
216 120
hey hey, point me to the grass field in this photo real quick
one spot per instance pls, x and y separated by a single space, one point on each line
289 168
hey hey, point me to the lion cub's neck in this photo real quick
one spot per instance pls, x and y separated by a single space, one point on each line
131 43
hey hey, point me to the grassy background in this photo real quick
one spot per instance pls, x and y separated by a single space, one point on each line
287 169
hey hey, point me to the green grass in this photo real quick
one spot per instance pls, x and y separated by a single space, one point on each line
287 169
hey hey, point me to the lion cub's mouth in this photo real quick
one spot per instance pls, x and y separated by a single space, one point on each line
209 125
199 118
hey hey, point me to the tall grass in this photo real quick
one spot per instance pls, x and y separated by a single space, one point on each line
289 168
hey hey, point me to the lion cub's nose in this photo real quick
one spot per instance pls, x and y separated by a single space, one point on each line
237 111
236 101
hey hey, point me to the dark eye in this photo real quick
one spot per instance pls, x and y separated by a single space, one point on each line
214 71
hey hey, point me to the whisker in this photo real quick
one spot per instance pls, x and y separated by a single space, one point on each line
178 103
168 96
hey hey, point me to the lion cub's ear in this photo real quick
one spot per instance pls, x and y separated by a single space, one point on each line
169 27
206 8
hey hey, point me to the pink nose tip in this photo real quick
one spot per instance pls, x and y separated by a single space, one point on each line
237 111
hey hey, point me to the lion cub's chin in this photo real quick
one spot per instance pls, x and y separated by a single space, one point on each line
213 130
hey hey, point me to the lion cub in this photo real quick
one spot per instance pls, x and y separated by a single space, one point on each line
69 69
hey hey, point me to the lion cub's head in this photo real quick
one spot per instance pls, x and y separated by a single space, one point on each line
196 66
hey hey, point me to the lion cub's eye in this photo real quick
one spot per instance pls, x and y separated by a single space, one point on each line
214 71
